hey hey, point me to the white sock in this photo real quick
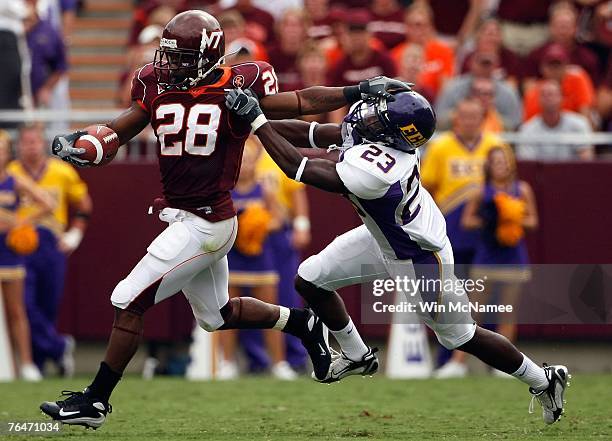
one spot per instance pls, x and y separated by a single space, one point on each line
350 341
532 374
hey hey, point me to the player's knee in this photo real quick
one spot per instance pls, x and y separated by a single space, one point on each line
123 294
452 336
128 321
309 291
230 313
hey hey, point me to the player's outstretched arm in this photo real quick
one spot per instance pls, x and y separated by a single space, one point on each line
319 173
309 135
319 99
127 125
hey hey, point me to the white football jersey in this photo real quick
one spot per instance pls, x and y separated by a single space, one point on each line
386 190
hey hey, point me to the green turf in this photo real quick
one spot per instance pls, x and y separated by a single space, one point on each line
478 408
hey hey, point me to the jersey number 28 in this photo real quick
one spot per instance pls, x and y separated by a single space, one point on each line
194 127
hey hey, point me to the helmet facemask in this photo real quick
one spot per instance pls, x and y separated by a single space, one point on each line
365 121
180 68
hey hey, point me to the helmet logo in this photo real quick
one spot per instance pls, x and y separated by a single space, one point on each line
211 41
412 135
168 43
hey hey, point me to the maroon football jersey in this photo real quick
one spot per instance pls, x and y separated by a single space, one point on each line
200 142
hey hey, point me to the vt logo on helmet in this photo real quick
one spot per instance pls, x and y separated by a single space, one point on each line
404 123
191 47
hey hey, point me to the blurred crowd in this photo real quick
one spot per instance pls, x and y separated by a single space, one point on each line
535 67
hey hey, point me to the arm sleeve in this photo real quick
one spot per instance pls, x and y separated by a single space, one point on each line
264 81
138 91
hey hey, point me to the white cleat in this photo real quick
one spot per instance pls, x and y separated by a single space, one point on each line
283 371
29 372
342 366
451 369
228 370
551 399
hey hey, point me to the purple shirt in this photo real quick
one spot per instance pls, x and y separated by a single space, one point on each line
47 52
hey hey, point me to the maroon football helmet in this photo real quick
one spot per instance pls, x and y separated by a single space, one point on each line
191 47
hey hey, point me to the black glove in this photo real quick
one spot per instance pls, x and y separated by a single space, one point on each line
63 147
243 103
376 87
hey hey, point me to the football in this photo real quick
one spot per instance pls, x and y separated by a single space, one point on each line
100 143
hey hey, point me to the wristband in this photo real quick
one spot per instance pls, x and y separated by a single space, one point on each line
300 170
301 223
258 122
352 93
311 139
72 238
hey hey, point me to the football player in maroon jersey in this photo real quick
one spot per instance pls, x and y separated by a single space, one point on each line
181 94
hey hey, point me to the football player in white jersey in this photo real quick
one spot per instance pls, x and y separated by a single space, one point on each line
404 232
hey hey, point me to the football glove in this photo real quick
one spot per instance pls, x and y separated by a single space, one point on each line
63 147
243 103
382 86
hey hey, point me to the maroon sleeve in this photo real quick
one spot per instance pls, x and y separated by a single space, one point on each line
259 76
142 86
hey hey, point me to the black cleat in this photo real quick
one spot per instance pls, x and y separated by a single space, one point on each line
315 342
552 398
78 409
343 366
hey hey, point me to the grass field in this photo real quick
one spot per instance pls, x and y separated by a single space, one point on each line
478 408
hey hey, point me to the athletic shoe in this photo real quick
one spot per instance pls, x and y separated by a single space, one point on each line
149 367
29 372
551 398
228 370
282 371
78 409
452 369
315 340
66 364
342 366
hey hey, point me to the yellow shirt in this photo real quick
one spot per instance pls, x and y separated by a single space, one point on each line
280 185
62 182
452 171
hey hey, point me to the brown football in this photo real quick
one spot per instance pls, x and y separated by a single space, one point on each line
100 143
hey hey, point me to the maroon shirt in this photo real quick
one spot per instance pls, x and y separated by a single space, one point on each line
200 141
289 77
345 72
389 29
578 54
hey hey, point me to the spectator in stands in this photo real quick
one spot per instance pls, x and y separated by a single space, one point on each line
410 69
290 36
319 17
457 20
361 60
562 31
276 8
452 171
576 86
502 210
14 78
387 22
45 268
251 264
48 57
553 121
312 68
17 237
234 29
483 89
489 39
259 23
523 23
483 65
439 57
158 12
